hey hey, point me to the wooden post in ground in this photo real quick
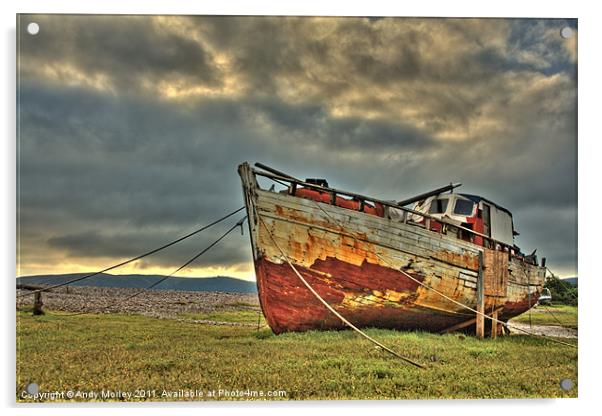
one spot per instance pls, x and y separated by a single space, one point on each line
37 304
480 300
494 325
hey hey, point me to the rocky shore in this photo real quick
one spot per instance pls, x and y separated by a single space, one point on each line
156 303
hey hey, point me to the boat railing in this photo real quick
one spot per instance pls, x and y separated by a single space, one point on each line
293 183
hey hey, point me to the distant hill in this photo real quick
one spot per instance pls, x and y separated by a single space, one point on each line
141 281
571 280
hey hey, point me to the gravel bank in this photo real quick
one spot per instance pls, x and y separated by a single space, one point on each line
546 330
170 303
156 303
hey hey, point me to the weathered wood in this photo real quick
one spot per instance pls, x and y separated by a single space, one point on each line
480 300
377 201
397 233
494 325
378 270
315 226
308 212
37 304
495 267
469 322
459 326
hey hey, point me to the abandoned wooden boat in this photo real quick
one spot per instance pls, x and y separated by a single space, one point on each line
379 263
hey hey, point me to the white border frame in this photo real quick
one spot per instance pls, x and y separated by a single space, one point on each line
589 196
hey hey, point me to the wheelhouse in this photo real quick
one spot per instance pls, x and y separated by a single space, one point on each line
468 212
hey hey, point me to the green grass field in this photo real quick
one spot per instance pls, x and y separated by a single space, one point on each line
135 353
249 316
558 315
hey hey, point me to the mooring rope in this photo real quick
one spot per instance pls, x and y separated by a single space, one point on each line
545 307
564 284
133 259
206 249
158 282
330 308
505 324
529 294
553 316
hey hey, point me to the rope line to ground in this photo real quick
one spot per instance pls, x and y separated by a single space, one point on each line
563 283
158 282
133 259
330 308
546 308
553 316
444 295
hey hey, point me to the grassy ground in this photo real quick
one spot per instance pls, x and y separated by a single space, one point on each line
249 316
560 315
130 354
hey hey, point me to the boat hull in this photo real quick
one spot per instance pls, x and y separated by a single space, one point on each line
374 271
289 306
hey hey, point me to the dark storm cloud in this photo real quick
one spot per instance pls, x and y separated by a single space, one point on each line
128 50
126 160
147 169
339 134
132 127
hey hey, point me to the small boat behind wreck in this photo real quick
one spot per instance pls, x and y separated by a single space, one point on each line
379 263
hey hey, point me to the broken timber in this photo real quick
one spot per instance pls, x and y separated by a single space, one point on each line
480 318
472 321
37 303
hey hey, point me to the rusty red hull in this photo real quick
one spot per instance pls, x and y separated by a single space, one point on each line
289 306
375 271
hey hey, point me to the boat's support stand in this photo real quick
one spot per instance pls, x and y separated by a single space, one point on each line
480 318
488 284
495 326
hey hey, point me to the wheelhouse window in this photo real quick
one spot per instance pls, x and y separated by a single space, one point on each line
438 206
463 207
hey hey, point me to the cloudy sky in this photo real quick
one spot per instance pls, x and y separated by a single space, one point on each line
131 128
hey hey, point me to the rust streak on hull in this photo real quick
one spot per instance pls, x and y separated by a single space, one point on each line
290 306
354 261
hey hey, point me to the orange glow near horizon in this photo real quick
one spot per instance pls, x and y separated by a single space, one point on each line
241 271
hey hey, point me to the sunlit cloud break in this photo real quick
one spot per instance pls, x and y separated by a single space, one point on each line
131 127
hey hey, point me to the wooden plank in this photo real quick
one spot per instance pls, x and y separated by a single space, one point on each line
343 245
302 228
420 245
319 220
494 325
409 247
378 201
480 318
459 326
346 216
496 273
